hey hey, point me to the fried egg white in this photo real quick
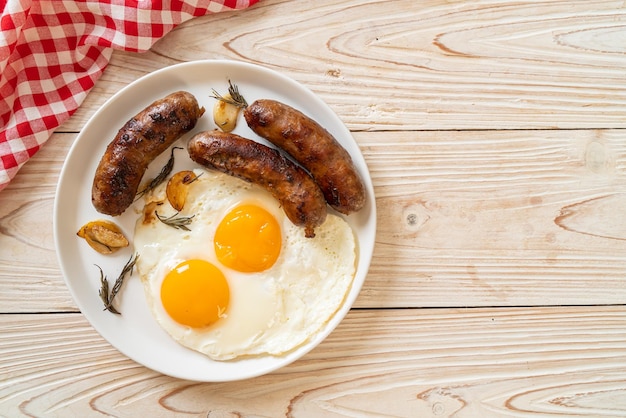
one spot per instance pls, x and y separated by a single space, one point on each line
267 312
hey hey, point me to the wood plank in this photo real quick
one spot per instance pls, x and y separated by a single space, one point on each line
401 363
498 218
30 277
508 218
435 64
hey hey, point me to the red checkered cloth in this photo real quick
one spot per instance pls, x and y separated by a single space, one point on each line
53 51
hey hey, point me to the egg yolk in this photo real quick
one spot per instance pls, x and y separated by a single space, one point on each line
248 239
195 293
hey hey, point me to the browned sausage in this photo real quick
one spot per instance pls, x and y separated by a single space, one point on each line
314 148
298 194
136 144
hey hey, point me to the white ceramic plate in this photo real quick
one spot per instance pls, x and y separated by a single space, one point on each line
135 333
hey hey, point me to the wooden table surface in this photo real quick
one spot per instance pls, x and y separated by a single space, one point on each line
495 135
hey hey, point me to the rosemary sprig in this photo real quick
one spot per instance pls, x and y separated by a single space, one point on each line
236 99
165 171
107 298
104 293
175 221
194 178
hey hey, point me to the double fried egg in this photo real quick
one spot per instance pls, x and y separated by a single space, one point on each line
238 278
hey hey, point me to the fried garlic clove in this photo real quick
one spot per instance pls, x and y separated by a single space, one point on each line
178 188
225 113
99 247
103 236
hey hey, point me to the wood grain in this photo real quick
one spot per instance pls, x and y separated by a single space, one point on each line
442 363
407 65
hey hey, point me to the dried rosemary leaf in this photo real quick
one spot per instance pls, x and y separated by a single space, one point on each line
165 171
236 99
175 221
106 297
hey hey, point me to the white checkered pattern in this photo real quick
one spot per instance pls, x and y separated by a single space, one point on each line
53 51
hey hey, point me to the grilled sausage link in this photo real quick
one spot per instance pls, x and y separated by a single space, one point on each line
314 148
298 194
136 145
